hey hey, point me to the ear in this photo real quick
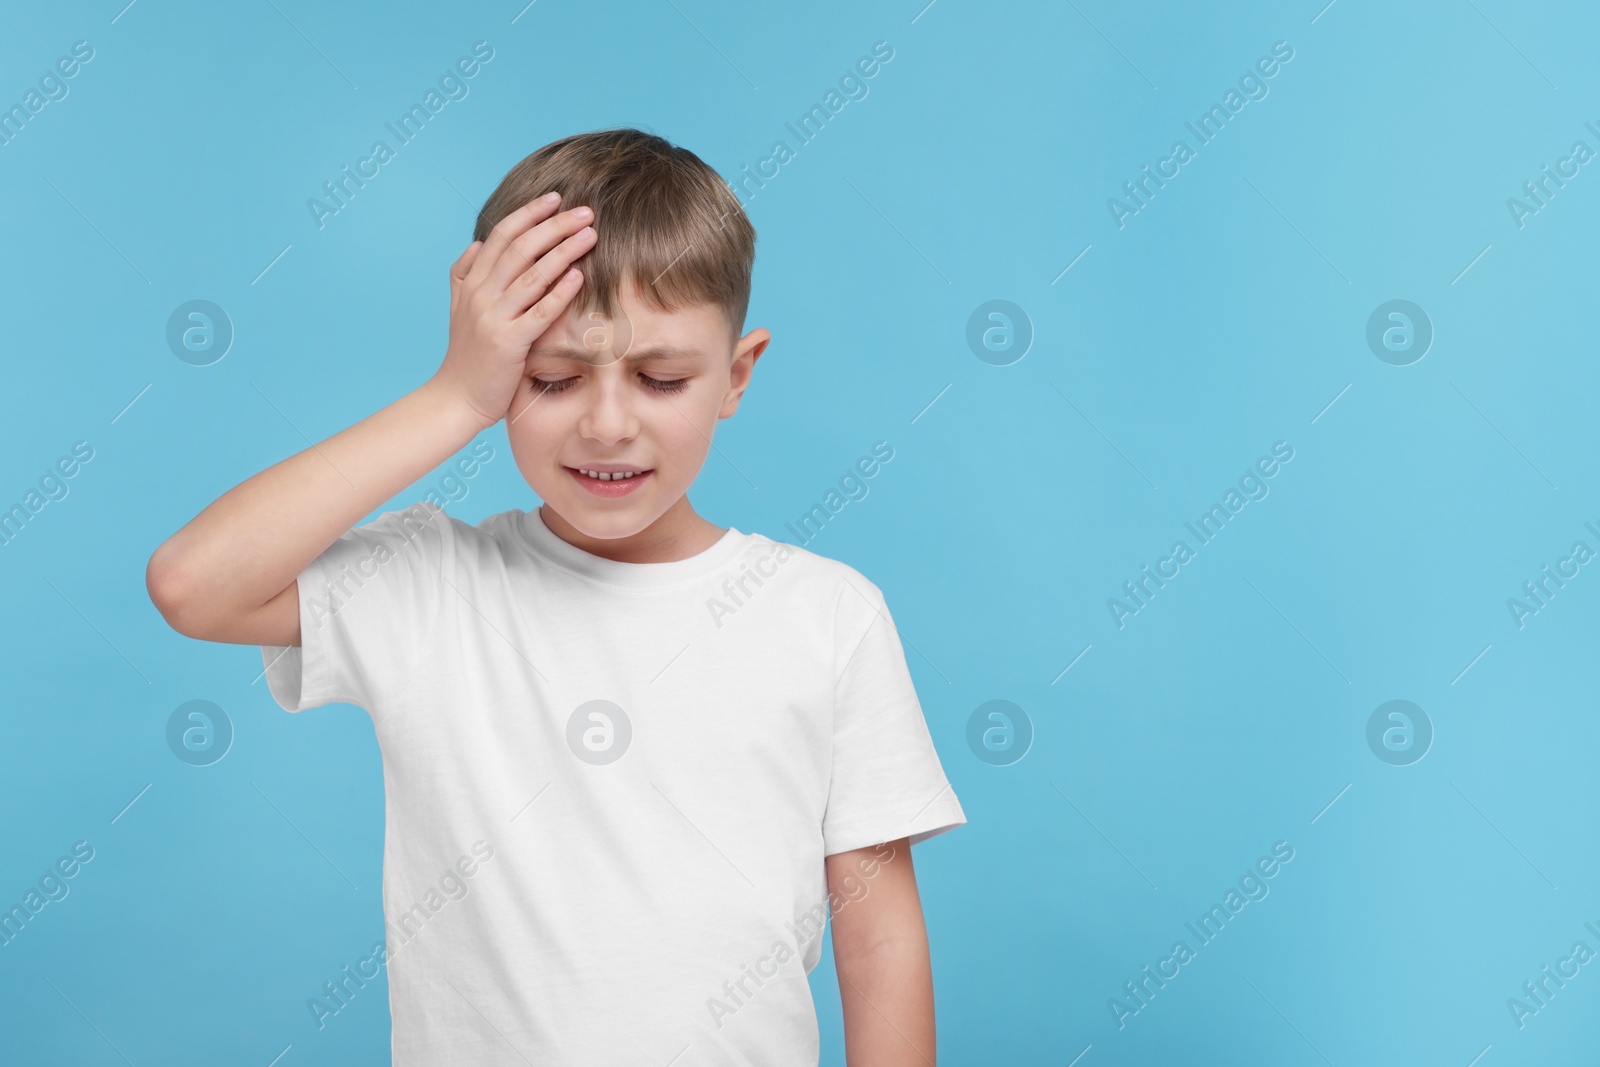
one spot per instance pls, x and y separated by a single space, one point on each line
745 354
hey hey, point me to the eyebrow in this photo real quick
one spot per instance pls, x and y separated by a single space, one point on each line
653 354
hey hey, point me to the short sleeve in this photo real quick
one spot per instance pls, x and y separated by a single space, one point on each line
887 780
364 604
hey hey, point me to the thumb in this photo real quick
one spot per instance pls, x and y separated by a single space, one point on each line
459 269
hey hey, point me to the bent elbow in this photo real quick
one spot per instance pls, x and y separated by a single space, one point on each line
168 587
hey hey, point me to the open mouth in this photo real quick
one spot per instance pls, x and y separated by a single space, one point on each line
608 476
608 483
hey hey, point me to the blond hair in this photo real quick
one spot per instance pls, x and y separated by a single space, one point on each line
662 217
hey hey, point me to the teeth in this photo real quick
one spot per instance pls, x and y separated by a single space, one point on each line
602 476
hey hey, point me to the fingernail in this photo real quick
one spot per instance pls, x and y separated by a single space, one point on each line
550 198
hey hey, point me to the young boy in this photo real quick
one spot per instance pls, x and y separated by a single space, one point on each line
632 760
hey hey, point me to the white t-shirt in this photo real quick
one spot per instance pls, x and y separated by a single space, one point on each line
609 787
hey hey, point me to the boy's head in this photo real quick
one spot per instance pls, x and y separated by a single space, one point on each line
670 269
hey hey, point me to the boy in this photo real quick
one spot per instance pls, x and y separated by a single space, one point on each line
632 760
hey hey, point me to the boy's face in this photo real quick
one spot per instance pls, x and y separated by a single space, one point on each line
641 391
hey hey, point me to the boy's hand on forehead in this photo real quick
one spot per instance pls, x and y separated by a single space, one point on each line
504 293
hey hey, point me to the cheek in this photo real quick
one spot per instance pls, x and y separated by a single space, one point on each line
536 434
687 423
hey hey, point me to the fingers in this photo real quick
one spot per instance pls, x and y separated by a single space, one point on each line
552 305
535 242
506 231
533 282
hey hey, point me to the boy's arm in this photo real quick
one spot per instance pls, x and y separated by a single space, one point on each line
880 949
231 573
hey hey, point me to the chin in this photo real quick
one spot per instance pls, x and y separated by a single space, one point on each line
605 527
606 523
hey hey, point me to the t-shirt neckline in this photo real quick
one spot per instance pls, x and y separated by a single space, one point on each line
543 540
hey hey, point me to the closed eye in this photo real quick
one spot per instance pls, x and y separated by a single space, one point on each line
542 387
561 385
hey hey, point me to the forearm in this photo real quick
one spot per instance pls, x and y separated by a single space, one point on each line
887 994
254 540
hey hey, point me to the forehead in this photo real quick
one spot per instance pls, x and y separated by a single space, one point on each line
636 331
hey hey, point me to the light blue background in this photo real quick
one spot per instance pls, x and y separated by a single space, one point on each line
1225 316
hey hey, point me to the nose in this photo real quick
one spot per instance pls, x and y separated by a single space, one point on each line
608 417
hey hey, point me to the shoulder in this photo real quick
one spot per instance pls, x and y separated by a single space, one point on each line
421 527
422 522
851 599
500 530
425 527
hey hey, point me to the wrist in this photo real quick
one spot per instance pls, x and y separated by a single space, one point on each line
442 394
